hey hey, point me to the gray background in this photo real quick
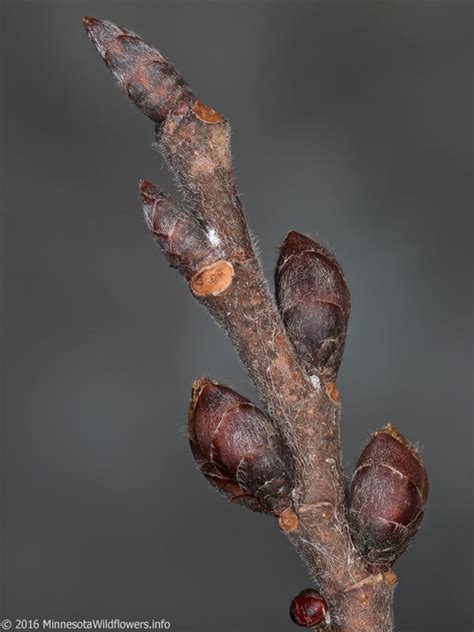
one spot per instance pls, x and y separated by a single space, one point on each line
350 122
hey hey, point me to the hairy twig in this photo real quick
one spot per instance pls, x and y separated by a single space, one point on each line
295 470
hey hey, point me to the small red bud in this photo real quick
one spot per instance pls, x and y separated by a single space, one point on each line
308 608
238 449
388 495
314 301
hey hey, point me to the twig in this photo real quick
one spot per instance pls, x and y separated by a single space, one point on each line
207 240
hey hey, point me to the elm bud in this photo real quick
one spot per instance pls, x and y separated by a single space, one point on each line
308 608
182 239
238 449
314 301
388 495
149 79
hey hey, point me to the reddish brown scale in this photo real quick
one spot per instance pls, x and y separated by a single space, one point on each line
182 239
151 82
238 449
314 301
388 495
308 609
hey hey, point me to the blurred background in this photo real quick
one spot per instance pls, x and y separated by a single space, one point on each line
351 122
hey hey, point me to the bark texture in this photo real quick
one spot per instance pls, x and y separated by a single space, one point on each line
207 240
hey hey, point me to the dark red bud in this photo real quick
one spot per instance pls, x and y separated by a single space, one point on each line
308 608
388 495
182 239
314 301
151 82
238 449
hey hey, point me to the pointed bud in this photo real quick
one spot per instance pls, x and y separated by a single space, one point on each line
238 449
151 82
182 239
314 301
388 495
308 609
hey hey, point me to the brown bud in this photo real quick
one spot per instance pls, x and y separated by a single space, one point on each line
314 301
182 239
151 82
238 449
388 495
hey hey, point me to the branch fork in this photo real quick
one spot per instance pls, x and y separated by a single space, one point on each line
284 461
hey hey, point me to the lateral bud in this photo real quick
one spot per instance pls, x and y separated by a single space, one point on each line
238 449
182 239
388 494
314 302
308 609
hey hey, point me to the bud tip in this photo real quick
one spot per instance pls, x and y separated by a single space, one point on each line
89 22
295 242
150 193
